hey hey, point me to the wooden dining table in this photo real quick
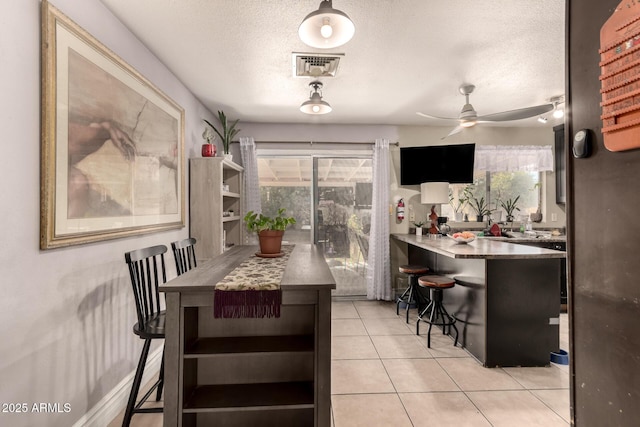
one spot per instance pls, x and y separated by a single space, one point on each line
249 371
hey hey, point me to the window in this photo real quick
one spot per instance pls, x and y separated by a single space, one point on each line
494 187
503 173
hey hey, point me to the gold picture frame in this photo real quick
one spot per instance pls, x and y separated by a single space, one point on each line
112 156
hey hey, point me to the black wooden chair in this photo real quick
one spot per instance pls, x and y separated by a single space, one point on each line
147 271
185 255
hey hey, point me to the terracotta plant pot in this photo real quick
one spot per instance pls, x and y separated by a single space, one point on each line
270 241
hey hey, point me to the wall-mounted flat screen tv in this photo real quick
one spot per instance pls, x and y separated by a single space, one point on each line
437 163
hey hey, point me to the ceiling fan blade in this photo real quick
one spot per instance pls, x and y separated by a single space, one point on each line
522 113
455 130
428 116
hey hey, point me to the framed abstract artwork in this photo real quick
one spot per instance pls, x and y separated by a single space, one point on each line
112 162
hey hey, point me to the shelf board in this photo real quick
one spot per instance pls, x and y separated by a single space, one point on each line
230 194
234 345
230 218
250 397
229 164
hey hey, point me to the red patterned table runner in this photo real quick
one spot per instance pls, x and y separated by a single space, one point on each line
252 289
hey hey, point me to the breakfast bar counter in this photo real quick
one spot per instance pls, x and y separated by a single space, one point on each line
267 371
481 248
505 299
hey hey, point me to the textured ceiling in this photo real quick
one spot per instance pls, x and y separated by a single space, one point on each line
406 56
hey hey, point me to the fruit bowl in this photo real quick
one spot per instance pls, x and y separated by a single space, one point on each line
463 238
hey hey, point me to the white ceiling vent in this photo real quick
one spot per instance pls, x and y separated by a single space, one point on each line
315 64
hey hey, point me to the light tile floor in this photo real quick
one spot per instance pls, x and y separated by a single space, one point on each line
383 375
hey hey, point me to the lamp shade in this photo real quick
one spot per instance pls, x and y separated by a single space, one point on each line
326 27
315 104
434 193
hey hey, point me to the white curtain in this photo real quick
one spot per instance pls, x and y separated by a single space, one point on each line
513 158
251 180
379 267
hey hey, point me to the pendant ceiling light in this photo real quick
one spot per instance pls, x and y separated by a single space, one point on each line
315 104
326 27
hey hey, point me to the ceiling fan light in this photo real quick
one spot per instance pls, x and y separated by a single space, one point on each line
542 119
558 113
467 123
326 27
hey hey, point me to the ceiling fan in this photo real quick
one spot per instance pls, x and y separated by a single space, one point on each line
469 117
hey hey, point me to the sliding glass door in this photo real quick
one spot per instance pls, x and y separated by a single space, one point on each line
342 209
330 198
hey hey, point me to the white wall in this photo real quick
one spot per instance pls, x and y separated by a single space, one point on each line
65 314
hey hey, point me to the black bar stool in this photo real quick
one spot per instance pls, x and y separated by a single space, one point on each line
147 271
410 295
435 309
184 254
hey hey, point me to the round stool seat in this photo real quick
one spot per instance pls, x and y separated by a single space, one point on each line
413 269
410 296
437 282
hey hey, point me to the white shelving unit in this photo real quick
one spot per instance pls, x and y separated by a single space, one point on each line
215 211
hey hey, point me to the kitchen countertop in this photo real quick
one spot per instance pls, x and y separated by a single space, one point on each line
481 248
518 237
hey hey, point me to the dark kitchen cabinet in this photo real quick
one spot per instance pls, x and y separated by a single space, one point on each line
558 246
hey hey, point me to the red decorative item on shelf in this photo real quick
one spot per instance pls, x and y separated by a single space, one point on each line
208 150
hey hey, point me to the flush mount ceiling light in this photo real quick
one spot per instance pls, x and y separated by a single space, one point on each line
326 27
315 104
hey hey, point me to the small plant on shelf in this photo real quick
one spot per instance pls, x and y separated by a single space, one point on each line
481 208
228 132
419 225
208 148
458 203
510 206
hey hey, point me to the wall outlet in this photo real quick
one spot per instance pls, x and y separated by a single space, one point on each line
554 216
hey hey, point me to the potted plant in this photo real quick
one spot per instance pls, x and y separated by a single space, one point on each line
208 148
418 225
227 133
509 206
458 204
269 229
481 207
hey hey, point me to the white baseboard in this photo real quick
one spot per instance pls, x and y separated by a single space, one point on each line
115 401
